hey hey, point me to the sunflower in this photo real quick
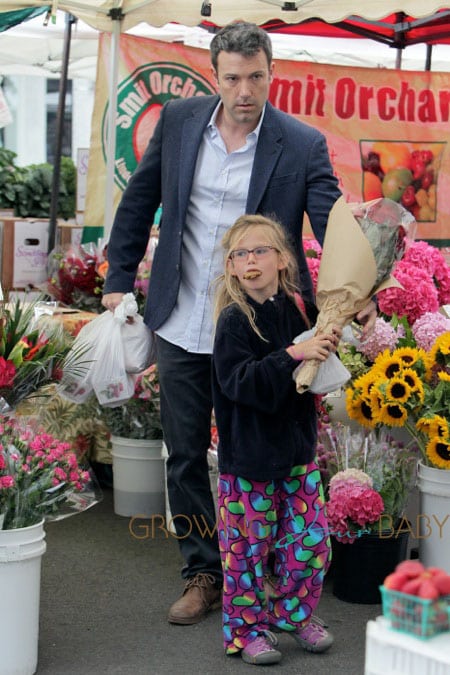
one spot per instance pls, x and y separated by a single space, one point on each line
415 383
387 365
376 401
398 389
425 425
434 426
359 409
393 414
365 383
438 452
442 345
410 356
409 388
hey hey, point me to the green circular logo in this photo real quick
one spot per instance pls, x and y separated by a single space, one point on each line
140 98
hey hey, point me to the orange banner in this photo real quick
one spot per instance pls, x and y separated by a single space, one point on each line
387 130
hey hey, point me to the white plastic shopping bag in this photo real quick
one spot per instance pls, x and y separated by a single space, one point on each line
111 349
137 339
331 375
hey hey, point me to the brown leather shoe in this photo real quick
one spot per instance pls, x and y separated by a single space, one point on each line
200 595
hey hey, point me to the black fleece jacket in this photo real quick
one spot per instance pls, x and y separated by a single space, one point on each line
265 427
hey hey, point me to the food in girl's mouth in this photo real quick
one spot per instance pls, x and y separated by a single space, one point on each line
253 274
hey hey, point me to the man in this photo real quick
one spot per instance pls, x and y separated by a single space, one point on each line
210 160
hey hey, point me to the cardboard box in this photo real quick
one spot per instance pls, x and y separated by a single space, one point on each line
23 252
67 233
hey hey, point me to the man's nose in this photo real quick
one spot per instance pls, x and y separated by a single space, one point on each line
245 88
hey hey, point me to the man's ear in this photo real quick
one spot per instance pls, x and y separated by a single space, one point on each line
215 75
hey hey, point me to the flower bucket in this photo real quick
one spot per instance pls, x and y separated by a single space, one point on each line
138 476
21 552
359 569
434 517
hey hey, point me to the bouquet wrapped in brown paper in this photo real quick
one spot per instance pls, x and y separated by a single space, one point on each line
362 243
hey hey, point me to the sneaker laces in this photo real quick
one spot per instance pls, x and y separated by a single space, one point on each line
317 620
270 637
265 642
202 580
313 631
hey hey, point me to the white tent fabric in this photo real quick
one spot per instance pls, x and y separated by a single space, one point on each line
104 15
188 12
33 48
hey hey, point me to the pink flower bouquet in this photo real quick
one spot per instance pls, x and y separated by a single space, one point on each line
359 251
39 477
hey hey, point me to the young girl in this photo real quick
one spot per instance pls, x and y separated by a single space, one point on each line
270 494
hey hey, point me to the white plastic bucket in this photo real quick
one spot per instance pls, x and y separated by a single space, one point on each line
21 552
138 475
434 517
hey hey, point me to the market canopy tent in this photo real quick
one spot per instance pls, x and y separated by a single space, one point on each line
419 21
117 16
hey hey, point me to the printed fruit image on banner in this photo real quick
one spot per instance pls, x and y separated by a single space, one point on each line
404 171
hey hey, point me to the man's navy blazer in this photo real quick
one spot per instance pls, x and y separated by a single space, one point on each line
291 175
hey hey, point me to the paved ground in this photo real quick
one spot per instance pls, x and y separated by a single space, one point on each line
104 598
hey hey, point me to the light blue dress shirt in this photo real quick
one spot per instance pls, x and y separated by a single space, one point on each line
218 198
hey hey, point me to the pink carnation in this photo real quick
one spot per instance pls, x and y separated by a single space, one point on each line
6 482
428 327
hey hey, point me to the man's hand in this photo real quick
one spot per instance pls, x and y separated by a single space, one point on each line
111 300
366 317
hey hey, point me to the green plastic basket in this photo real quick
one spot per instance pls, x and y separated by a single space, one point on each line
415 616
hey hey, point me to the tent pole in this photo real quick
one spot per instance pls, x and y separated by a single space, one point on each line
111 143
428 57
70 19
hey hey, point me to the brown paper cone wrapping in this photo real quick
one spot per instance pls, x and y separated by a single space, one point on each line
346 280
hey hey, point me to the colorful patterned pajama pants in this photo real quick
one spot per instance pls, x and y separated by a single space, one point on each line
285 518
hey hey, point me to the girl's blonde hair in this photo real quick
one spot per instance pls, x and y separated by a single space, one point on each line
228 289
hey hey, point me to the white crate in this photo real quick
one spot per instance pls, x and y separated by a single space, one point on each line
389 652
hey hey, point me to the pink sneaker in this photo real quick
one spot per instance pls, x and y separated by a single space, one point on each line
260 651
313 637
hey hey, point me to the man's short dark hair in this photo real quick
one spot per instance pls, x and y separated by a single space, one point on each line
241 37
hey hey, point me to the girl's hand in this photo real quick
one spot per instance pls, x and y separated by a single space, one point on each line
318 347
367 318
